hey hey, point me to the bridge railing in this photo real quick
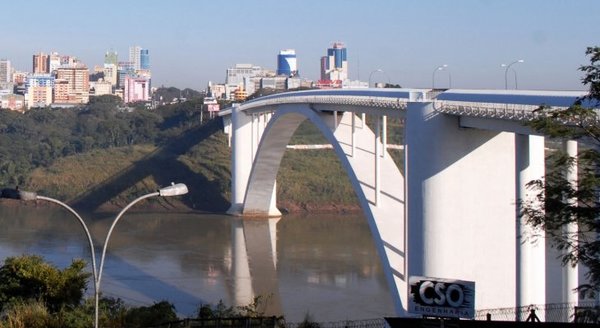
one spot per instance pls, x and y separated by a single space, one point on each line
517 112
363 101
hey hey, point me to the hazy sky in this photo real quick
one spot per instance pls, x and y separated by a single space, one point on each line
194 41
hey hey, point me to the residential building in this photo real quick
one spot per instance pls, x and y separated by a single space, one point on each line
19 78
39 90
77 77
324 75
101 87
136 89
61 91
111 74
40 64
135 53
287 63
216 91
54 62
5 71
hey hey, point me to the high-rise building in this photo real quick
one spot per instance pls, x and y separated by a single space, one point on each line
337 62
144 59
111 57
324 75
136 89
135 53
40 63
236 75
39 90
110 74
124 69
54 62
287 63
77 77
5 71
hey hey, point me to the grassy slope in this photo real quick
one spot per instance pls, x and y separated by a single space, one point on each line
307 180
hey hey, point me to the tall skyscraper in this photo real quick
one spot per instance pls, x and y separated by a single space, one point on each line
337 62
287 63
135 53
144 59
40 63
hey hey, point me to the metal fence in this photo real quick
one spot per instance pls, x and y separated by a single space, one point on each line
584 312
559 312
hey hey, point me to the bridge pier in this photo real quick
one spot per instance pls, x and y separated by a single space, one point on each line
530 243
241 157
460 196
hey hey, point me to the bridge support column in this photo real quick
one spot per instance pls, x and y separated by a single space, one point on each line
530 245
241 157
570 276
460 204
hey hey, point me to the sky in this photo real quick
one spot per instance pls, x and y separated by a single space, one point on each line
402 42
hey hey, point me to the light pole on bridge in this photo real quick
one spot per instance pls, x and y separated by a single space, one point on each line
379 70
172 190
441 68
506 73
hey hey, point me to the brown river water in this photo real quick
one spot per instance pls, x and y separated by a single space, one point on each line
322 265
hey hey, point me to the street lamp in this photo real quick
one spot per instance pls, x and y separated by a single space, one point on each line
172 190
506 72
380 71
439 68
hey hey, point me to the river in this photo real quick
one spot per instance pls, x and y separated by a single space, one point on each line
322 265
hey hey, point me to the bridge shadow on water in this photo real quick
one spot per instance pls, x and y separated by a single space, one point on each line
163 165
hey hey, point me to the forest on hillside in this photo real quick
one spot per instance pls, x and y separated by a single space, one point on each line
40 136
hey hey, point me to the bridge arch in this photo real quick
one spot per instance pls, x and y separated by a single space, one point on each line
375 178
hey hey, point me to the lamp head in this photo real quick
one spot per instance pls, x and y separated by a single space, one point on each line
173 190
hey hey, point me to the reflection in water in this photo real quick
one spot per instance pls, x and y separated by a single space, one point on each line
323 265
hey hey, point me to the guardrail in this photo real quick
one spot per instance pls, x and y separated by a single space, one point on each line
362 101
515 112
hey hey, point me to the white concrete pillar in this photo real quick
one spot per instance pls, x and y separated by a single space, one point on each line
241 157
384 136
242 280
570 273
377 149
460 204
530 243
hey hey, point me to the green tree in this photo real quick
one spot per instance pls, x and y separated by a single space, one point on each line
554 206
153 315
28 277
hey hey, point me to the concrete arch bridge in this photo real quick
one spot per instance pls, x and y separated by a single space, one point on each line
452 213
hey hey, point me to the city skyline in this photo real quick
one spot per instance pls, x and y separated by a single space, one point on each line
193 42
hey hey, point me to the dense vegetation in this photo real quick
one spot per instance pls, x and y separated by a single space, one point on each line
36 294
105 153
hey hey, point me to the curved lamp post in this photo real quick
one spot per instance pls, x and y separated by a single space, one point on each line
172 190
506 72
380 71
439 68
